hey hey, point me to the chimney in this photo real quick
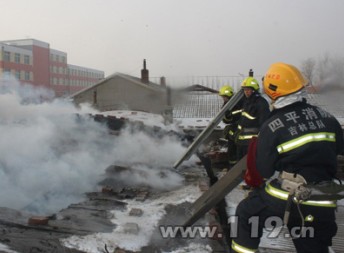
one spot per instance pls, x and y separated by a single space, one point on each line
163 81
250 73
144 73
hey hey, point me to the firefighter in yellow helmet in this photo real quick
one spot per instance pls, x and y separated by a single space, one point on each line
300 142
226 92
255 110
231 120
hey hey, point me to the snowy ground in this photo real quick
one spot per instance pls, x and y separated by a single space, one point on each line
154 210
4 248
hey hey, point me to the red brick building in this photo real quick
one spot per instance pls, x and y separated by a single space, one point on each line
33 61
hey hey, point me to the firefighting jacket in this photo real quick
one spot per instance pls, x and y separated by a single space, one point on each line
300 138
231 118
254 112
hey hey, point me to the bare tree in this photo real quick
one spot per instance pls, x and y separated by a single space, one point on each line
323 68
308 68
331 72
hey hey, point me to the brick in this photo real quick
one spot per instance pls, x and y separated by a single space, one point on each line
141 196
203 186
107 189
119 251
38 220
136 212
131 228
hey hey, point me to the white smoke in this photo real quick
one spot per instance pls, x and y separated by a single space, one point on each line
330 73
50 155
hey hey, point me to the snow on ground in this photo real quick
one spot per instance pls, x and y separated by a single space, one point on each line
4 248
153 211
192 248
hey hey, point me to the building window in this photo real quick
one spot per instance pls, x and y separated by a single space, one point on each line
27 76
7 71
18 74
26 59
17 58
7 56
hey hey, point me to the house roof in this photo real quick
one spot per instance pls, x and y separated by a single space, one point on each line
134 80
198 87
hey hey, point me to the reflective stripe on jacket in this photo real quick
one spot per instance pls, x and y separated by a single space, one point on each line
241 249
254 112
281 194
305 139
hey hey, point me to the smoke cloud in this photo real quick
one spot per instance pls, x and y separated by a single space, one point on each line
331 73
51 154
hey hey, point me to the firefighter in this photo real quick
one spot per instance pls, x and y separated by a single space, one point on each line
231 120
255 110
299 142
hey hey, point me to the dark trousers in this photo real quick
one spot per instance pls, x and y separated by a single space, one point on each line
232 152
241 150
261 210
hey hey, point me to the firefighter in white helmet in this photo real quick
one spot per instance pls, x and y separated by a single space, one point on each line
231 120
300 142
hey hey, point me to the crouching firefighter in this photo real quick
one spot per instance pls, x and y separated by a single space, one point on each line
299 143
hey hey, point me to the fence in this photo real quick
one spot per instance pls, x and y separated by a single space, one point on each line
214 82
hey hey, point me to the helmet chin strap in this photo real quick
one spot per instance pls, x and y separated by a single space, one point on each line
289 99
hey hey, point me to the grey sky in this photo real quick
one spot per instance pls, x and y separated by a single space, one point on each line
180 37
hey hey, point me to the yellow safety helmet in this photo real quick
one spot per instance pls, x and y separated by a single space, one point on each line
250 82
226 91
282 79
